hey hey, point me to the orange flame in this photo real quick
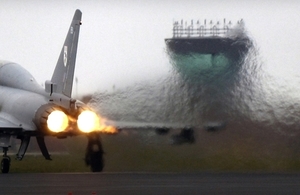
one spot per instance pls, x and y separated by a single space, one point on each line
109 129
88 121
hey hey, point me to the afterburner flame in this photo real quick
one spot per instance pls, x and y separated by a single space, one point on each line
88 121
57 121
107 128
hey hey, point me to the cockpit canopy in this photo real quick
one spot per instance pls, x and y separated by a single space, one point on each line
15 76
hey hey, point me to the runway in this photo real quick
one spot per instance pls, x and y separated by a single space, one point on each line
148 183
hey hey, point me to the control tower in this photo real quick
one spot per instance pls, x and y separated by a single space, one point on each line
206 49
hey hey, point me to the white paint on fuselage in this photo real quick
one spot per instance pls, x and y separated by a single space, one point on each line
15 76
21 95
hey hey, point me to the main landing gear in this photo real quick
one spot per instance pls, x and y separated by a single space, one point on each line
5 163
94 153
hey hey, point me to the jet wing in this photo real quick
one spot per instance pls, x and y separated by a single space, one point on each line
186 134
124 125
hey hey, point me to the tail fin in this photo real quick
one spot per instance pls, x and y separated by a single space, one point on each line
63 74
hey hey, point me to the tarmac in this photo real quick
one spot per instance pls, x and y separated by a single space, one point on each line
148 183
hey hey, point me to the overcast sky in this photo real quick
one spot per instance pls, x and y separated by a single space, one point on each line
122 42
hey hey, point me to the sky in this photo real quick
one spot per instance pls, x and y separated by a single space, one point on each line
122 42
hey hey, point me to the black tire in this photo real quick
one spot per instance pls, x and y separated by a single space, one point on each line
94 153
97 162
5 164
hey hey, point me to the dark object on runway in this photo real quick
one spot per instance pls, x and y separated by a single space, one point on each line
185 136
94 153
214 126
162 131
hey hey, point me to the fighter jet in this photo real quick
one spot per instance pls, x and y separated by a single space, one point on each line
29 110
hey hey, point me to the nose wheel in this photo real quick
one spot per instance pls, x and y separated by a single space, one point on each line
5 163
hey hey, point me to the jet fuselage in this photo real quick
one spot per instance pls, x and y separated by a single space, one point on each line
18 89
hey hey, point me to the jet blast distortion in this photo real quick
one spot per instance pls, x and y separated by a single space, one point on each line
29 110
207 56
